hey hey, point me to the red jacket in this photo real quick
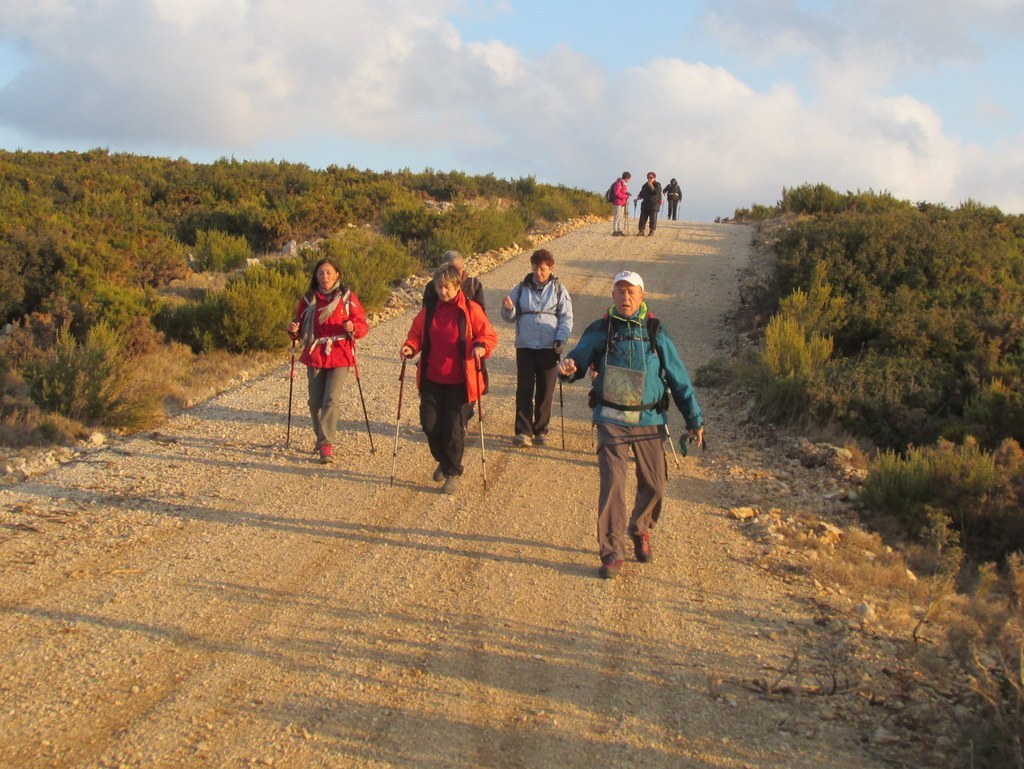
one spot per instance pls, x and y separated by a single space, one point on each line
475 329
331 346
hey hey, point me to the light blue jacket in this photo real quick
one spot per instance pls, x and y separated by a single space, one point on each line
542 313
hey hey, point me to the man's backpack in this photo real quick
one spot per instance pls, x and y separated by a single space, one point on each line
653 325
610 194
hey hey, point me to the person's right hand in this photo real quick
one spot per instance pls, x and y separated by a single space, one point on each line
407 351
567 367
507 303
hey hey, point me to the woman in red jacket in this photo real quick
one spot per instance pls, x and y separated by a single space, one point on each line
454 336
328 320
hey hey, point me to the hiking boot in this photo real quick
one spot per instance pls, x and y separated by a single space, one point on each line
523 441
451 484
642 547
540 439
326 454
438 475
610 570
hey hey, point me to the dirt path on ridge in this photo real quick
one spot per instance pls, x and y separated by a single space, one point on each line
201 596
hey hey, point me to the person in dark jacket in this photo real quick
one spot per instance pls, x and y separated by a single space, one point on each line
649 199
673 194
541 308
471 287
453 335
638 368
328 320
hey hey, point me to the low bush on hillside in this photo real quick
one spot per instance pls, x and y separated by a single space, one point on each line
94 239
216 250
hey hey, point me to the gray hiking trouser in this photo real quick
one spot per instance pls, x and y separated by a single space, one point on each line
614 445
619 223
325 388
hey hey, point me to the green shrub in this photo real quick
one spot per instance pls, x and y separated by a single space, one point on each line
995 411
257 307
194 323
980 492
218 251
91 382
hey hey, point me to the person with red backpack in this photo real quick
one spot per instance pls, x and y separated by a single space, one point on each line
618 196
453 337
638 372
328 320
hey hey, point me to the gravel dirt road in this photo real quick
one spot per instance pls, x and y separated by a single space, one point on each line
203 596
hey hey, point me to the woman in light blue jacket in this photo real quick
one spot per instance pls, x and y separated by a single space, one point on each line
541 308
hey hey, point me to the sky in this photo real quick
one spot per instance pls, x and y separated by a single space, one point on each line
737 99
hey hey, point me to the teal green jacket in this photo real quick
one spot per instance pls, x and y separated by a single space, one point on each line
617 341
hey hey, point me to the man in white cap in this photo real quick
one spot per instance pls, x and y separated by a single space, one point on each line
638 371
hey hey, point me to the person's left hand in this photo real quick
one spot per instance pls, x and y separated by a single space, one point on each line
348 326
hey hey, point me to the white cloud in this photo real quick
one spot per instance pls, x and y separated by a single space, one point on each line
234 75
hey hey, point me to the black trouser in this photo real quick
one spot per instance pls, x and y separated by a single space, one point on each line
443 420
536 371
673 207
645 214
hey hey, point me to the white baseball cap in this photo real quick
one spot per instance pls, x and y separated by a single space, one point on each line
629 277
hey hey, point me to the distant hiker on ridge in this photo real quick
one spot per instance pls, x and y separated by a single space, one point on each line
619 197
649 199
674 194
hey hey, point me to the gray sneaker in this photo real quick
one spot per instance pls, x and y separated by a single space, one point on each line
540 439
524 441
451 484
438 475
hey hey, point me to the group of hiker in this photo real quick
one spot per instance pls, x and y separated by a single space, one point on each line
633 365
650 199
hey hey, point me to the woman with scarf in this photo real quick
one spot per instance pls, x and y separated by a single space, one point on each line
327 322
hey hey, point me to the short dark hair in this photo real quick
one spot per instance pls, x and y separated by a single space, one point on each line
627 175
542 256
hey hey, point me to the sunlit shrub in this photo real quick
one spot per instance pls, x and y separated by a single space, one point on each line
92 382
216 250
980 492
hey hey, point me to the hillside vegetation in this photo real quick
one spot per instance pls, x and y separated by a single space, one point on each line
99 254
902 326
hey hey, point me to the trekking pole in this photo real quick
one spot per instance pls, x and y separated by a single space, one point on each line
291 387
561 406
668 436
359 385
480 408
398 420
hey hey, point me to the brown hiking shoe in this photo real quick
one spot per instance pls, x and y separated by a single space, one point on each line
642 547
611 570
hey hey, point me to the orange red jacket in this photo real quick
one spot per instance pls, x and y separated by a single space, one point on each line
475 329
